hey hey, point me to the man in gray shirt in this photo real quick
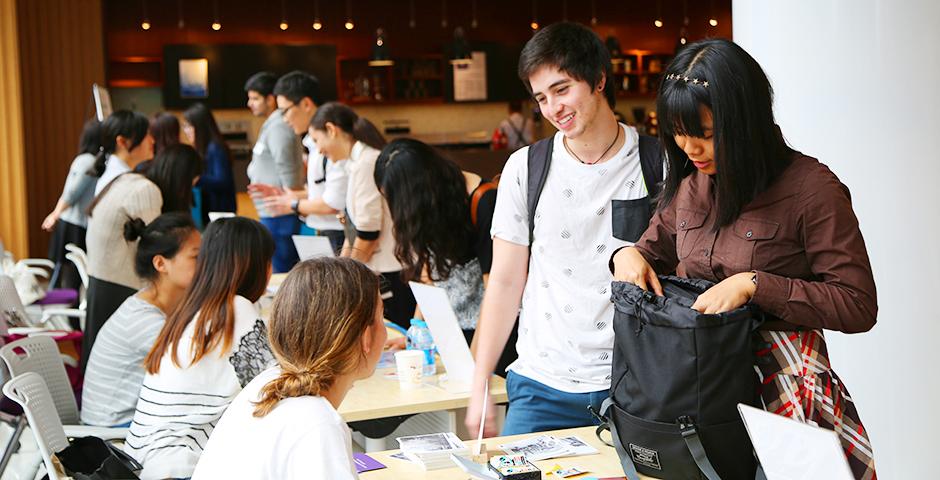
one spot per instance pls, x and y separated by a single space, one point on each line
277 161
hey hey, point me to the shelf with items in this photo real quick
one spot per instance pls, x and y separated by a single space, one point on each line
637 73
409 80
135 71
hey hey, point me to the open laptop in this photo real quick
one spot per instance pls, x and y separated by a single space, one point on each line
448 337
792 450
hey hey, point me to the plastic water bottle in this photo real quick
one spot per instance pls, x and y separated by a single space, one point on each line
419 338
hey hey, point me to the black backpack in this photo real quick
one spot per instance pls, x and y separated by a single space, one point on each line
633 218
677 378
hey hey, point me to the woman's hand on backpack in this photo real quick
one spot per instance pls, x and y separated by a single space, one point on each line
727 294
630 266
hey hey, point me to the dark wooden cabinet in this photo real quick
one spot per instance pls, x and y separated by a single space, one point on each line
407 80
637 73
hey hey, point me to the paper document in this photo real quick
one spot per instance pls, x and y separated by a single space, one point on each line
213 216
543 447
791 450
476 470
309 246
448 337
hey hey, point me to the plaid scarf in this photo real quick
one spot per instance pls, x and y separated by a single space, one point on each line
797 382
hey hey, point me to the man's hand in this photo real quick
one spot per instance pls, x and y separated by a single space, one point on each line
630 266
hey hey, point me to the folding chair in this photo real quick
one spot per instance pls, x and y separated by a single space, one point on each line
31 393
40 355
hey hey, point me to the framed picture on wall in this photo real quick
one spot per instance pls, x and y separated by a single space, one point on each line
194 78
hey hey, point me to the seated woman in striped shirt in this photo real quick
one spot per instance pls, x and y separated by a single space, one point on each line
210 347
165 259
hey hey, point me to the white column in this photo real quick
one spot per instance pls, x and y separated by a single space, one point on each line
857 85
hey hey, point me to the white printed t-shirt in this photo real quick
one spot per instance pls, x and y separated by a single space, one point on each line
301 438
566 335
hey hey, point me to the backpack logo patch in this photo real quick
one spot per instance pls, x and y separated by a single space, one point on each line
645 456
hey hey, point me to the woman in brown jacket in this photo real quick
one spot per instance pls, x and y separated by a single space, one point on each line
769 225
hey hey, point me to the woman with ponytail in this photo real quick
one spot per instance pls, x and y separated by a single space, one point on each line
340 133
165 187
69 220
326 332
125 143
165 260
212 345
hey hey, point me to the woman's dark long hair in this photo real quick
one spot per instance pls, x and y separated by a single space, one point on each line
206 129
165 128
173 170
427 197
125 123
347 120
750 152
234 259
90 139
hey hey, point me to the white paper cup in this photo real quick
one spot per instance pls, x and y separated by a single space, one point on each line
410 367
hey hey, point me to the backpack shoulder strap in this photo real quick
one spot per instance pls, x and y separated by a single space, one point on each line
475 200
540 158
651 161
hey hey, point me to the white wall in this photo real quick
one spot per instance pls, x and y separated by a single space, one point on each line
857 85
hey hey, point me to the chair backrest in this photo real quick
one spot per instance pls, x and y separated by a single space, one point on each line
72 248
40 354
10 301
29 390
80 266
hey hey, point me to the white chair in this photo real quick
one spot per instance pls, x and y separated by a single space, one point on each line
39 354
83 257
10 303
52 317
30 391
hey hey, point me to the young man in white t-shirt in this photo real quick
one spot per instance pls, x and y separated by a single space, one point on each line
562 279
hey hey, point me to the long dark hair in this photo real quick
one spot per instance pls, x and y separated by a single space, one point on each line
164 236
347 120
427 197
206 129
165 128
125 123
750 152
90 139
233 260
173 172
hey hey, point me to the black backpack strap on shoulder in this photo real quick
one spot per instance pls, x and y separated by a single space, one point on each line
540 158
651 161
694 443
629 469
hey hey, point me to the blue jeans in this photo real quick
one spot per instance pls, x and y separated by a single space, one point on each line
534 407
282 228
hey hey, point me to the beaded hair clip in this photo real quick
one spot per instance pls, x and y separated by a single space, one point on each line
694 81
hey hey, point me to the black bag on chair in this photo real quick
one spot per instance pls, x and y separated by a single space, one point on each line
91 458
677 378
